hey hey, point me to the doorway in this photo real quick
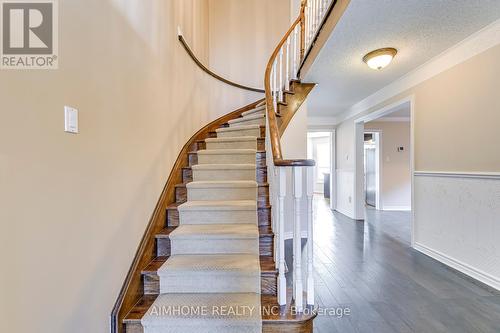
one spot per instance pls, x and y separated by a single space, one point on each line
319 149
372 168
384 168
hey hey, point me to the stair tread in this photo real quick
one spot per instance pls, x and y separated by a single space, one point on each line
209 300
226 151
284 315
219 205
224 166
264 231
222 184
181 185
232 139
267 265
194 263
238 128
256 110
247 118
216 231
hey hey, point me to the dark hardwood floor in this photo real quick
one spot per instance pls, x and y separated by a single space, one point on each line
371 270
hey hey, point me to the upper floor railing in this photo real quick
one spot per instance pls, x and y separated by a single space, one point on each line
281 72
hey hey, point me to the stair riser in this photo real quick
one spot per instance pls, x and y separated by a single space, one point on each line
232 145
261 159
262 199
203 282
263 216
260 177
180 194
268 284
218 217
213 246
212 328
198 145
244 132
258 121
254 113
224 174
266 245
235 193
226 158
267 327
192 159
187 175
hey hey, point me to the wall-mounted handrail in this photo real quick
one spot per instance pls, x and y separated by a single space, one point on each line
208 71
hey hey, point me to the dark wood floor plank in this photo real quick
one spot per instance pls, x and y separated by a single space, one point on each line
370 268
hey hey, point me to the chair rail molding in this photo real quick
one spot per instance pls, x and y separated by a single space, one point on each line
456 221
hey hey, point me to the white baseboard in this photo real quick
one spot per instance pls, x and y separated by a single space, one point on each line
481 276
391 208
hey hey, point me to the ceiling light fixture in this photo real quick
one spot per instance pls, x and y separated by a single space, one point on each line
380 58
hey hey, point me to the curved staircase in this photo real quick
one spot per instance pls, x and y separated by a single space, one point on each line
206 262
216 250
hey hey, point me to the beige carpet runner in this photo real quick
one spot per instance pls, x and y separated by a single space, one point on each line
211 282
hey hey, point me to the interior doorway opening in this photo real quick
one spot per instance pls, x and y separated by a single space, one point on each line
319 148
372 152
384 160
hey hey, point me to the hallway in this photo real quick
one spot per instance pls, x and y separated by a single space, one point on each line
370 269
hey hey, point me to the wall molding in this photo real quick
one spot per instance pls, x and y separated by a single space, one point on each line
458 174
468 270
471 46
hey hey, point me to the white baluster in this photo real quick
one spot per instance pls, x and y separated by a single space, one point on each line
295 51
274 217
287 71
298 287
315 17
281 238
310 238
275 95
281 76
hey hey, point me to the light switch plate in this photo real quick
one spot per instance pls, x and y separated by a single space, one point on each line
70 120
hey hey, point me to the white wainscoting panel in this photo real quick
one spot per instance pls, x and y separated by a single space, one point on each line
345 195
457 221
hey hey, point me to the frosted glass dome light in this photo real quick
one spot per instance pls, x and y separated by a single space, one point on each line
380 58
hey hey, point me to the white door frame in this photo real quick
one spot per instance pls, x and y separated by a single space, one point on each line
359 142
378 167
333 160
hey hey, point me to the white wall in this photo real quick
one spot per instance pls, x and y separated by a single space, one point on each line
294 145
395 185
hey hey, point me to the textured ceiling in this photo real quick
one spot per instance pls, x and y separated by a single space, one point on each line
419 29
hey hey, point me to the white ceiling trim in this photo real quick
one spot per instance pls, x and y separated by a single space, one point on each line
473 45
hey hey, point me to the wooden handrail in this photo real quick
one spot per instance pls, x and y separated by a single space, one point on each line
271 112
209 72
